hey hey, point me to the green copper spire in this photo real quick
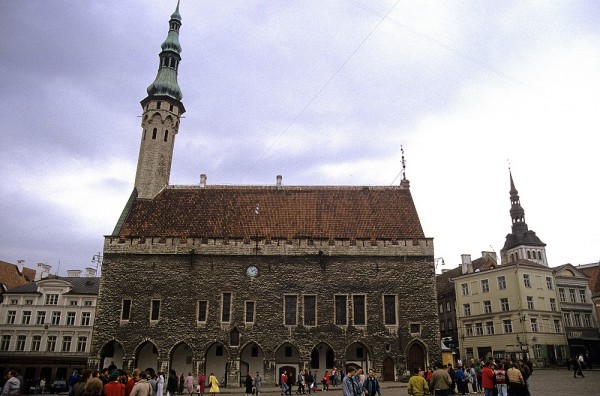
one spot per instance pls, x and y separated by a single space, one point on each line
165 83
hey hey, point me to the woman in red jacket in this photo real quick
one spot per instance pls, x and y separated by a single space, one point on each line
487 378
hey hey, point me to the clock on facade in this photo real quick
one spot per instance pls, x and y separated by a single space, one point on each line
252 271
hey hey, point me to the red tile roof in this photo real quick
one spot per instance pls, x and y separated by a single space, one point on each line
287 212
10 276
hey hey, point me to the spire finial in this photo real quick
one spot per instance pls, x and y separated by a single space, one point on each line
403 163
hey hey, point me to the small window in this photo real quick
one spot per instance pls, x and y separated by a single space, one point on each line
501 282
219 350
465 289
158 104
154 132
86 318
469 330
582 298
66 344
448 306
341 310
28 302
5 343
234 337
553 304
567 319
155 310
310 310
572 295
485 286
250 311
557 326
170 107
507 326
504 305
87 303
487 307
125 309
389 309
561 294
51 299
291 310
526 280
441 308
359 310
40 318
26 319
549 283
81 344
226 307
415 328
70 318
21 343
467 309
36 343
479 329
534 325
55 318
73 303
166 135
144 135
202 311
51 343
530 302
14 301
489 328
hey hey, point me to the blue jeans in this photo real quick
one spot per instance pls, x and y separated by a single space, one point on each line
488 392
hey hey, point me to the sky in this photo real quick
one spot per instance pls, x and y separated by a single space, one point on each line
320 92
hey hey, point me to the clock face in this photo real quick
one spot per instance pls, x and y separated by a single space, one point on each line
252 271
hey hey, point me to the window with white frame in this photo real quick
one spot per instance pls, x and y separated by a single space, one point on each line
561 294
577 319
587 320
40 318
28 302
479 328
507 326
530 302
21 340
489 327
485 285
501 282
467 309
553 304
549 283
537 348
487 307
86 318
557 326
464 288
66 344
14 301
51 343
11 317
36 342
73 303
582 298
534 325
572 295
26 318
70 318
567 319
87 303
504 305
55 318
526 280
51 299
81 344
469 330
5 343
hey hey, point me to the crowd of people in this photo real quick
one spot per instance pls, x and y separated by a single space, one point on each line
492 378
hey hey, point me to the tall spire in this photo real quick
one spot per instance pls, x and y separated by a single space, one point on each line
517 213
165 83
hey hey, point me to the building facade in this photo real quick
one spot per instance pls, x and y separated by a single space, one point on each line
579 315
46 326
230 279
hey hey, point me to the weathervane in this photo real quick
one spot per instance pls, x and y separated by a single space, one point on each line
403 163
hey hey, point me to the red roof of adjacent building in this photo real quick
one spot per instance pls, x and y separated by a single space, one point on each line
10 276
286 212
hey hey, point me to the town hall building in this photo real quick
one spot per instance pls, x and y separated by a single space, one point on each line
231 279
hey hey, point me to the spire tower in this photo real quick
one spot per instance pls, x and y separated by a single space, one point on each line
162 110
521 243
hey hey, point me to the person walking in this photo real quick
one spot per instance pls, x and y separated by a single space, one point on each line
201 383
487 379
160 384
249 384
258 383
440 380
370 385
500 374
417 386
214 384
172 383
349 387
189 384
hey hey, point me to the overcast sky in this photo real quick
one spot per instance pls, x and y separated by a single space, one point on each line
321 92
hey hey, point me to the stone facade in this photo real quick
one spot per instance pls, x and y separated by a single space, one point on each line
180 281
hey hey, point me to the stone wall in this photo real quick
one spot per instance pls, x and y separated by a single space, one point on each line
181 280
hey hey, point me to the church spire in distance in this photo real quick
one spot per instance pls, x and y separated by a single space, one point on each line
162 110
517 213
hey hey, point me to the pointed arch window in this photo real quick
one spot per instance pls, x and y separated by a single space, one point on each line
154 131
166 135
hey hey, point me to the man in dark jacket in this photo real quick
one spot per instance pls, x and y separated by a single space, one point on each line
371 385
172 383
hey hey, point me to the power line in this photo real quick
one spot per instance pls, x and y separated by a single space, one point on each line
312 99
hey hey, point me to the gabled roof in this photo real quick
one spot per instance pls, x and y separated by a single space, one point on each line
319 212
444 284
80 285
593 271
11 277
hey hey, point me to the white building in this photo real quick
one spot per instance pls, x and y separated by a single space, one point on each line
46 326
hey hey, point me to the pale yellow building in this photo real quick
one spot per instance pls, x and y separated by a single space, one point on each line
510 309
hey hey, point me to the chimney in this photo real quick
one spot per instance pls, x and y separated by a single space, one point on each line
20 265
202 180
278 184
73 273
42 272
467 265
90 272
